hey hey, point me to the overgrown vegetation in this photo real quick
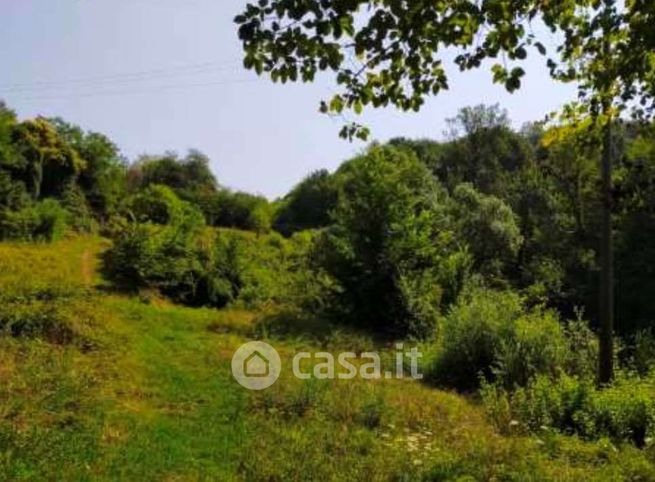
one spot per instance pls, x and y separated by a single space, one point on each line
481 248
144 391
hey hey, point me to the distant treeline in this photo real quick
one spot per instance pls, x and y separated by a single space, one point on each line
408 223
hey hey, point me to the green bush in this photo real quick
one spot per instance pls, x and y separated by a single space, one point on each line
80 216
639 353
44 221
582 353
240 210
490 229
308 204
160 257
624 411
160 205
210 269
260 269
490 335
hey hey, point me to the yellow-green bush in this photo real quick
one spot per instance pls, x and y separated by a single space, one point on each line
43 221
625 411
490 335
212 268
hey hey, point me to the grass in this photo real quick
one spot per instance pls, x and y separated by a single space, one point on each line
143 391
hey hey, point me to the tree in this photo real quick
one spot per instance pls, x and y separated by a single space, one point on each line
50 161
103 178
490 229
159 204
13 193
186 176
605 47
484 150
389 244
308 205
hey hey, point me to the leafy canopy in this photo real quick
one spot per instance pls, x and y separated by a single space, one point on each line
390 52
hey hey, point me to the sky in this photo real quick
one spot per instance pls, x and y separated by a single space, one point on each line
166 75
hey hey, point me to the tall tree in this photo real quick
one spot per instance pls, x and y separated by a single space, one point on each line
389 52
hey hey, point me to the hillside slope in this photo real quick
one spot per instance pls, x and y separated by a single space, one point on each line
98 385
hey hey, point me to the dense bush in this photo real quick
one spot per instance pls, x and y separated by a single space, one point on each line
213 269
242 211
184 175
43 221
160 205
490 335
159 257
262 269
624 411
308 205
80 217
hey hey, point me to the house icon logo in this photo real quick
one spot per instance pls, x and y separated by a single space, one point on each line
256 365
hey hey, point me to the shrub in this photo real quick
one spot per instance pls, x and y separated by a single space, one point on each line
212 269
255 270
44 221
161 257
80 215
491 335
582 353
640 352
240 210
160 205
624 411
536 345
308 205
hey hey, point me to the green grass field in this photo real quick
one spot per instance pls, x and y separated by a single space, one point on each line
135 388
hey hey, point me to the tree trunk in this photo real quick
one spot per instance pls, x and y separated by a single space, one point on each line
606 353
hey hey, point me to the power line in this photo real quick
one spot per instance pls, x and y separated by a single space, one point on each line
123 78
149 90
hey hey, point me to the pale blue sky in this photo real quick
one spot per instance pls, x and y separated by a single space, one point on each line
157 75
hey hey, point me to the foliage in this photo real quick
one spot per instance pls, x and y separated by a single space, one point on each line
152 389
308 204
395 47
79 214
603 46
161 257
49 161
387 242
489 228
184 175
490 336
160 205
199 269
103 179
43 221
242 210
623 412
